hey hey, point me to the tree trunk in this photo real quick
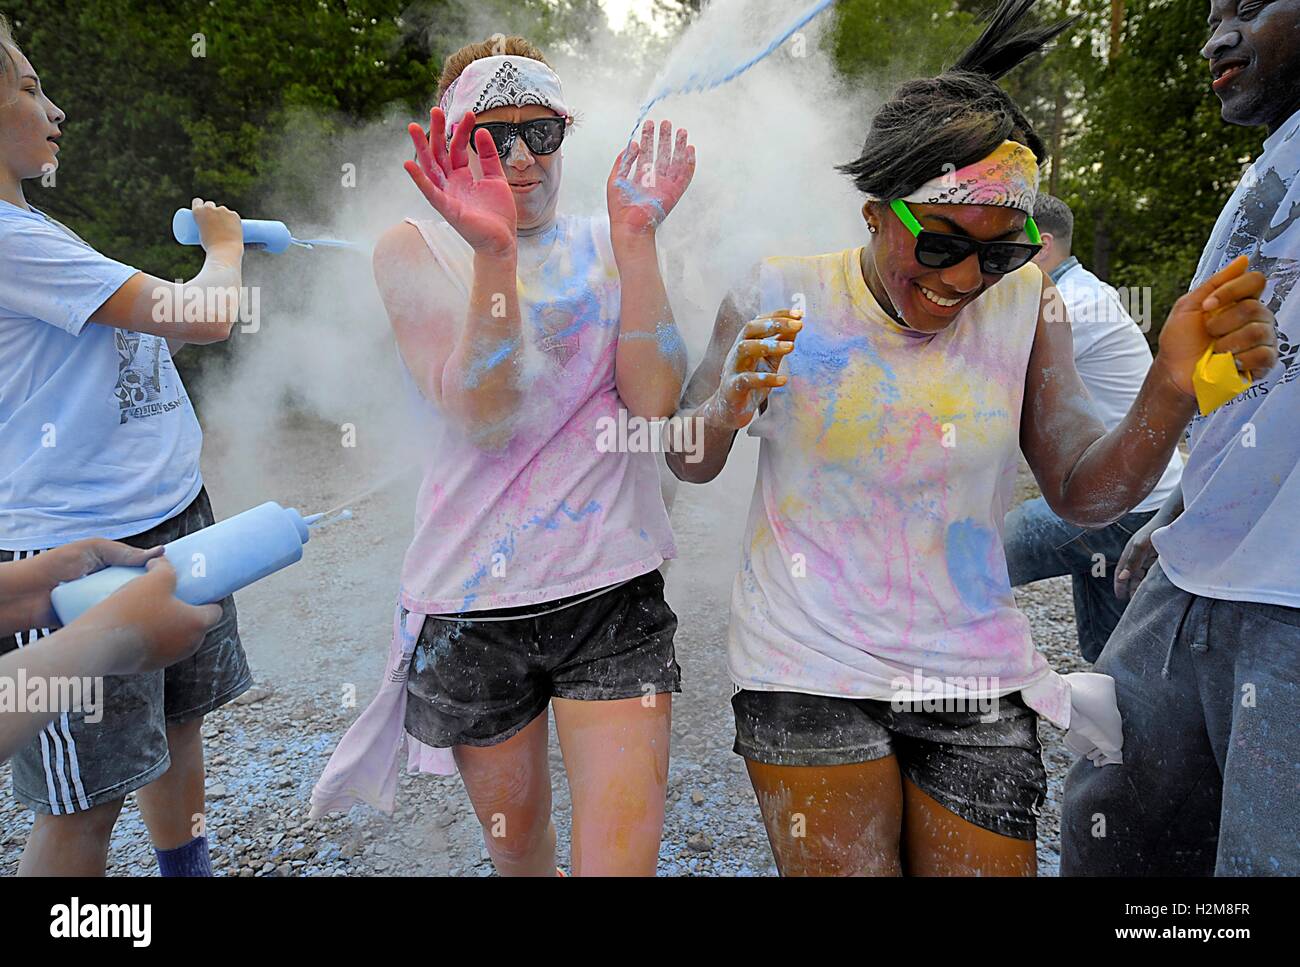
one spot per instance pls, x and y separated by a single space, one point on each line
1058 125
1116 25
1101 246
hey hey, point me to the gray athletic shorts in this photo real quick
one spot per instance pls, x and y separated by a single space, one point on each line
76 763
990 773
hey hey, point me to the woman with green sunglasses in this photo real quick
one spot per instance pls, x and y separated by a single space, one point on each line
887 688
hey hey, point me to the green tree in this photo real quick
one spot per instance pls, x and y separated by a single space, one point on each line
898 38
1152 162
167 99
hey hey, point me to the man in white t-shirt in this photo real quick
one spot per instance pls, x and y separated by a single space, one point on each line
1112 357
1206 660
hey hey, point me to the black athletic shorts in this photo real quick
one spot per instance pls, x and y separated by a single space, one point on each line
990 773
477 682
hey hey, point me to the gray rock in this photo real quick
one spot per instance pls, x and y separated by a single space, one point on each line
699 842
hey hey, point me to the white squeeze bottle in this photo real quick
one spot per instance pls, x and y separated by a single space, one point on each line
210 563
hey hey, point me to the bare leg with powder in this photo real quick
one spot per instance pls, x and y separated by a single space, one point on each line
616 757
864 820
832 820
937 842
172 805
509 785
74 844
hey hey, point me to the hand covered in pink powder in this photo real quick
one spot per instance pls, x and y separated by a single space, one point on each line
752 369
482 209
642 188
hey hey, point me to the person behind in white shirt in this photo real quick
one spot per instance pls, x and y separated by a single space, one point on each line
1112 358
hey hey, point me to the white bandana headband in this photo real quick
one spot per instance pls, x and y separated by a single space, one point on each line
503 81
1007 178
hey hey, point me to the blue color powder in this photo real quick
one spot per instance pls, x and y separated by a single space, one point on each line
972 562
707 81
481 367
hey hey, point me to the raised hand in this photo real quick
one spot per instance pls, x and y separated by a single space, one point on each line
643 189
482 210
751 371
1224 311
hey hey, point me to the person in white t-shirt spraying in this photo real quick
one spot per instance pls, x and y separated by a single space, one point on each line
1206 660
98 438
1112 358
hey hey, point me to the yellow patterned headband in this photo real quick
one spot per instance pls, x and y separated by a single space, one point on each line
1007 178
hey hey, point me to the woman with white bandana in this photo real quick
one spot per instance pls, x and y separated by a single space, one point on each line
887 687
532 579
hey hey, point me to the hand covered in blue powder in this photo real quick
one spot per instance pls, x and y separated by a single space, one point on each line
1096 730
642 188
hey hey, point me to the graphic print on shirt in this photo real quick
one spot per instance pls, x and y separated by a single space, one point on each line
565 302
140 371
1254 230
559 337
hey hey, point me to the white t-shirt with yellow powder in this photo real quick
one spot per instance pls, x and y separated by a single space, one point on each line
873 565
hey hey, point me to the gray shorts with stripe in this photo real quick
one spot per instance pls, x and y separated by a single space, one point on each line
118 743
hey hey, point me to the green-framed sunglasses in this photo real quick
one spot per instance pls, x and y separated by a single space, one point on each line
938 250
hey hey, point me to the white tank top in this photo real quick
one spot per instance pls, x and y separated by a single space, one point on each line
551 515
873 565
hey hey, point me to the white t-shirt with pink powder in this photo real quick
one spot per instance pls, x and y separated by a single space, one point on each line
550 515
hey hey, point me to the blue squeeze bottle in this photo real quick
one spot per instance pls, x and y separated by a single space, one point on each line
210 563
267 235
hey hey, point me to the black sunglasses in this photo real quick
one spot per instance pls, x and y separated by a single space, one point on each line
542 135
938 250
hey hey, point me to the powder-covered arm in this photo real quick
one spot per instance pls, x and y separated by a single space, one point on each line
730 386
202 310
472 370
651 362
463 359
1092 478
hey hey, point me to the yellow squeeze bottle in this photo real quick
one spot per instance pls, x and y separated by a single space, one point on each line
1216 380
